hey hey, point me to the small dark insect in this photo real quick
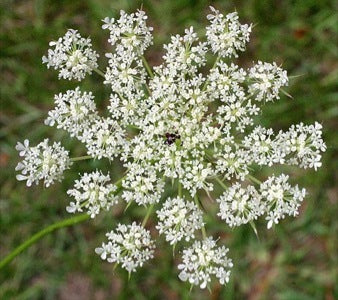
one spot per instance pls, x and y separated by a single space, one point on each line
171 138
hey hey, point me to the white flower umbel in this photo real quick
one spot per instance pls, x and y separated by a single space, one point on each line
142 185
226 35
203 260
226 80
42 162
240 205
104 138
130 31
302 145
75 111
72 55
179 219
183 54
176 122
125 72
267 80
93 192
128 245
262 147
231 160
280 198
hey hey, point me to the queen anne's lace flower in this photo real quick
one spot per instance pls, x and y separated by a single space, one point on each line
280 198
129 245
267 80
226 35
125 72
183 54
302 145
142 185
72 55
174 123
179 219
104 138
238 112
92 192
42 162
239 206
75 112
130 30
225 80
203 260
262 147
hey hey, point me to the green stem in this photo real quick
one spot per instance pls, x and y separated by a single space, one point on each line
80 158
199 204
253 226
254 179
147 215
150 72
33 239
204 234
179 189
221 183
118 182
99 72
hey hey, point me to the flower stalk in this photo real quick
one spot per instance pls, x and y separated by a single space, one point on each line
39 235
80 158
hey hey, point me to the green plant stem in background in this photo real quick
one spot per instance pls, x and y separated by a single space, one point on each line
148 214
150 72
33 239
221 183
99 72
199 202
204 234
81 158
179 189
254 179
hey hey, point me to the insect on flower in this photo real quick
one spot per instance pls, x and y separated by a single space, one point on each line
171 138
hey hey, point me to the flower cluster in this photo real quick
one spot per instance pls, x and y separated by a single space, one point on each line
267 80
239 206
142 185
129 245
226 35
129 31
42 162
202 260
72 55
75 112
276 198
104 138
174 124
93 192
280 198
179 219
302 145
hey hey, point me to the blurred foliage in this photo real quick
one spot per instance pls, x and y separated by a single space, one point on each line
296 260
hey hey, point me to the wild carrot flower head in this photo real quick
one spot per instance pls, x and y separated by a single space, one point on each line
174 126
129 245
42 162
72 55
203 260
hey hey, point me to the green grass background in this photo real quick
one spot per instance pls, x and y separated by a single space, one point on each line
296 260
